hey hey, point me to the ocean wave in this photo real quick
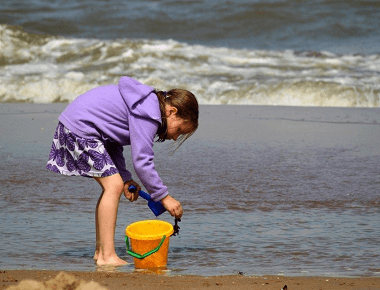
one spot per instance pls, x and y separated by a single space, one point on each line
45 69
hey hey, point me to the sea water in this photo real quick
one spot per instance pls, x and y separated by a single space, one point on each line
282 176
265 190
309 53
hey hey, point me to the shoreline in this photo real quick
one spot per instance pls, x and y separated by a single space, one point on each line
101 280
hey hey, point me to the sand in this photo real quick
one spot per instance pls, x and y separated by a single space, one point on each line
57 280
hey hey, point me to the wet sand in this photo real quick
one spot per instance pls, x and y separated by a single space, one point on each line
49 280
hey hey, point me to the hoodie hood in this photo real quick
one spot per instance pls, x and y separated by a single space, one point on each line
140 99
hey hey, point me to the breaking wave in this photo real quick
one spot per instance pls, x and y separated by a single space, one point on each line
46 69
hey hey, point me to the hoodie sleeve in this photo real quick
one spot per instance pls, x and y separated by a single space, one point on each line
116 153
142 133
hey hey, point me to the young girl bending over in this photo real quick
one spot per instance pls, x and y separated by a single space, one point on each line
89 142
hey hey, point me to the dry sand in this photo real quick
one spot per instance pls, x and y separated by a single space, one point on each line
57 280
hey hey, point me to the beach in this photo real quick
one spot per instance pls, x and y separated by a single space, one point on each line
132 281
280 191
279 185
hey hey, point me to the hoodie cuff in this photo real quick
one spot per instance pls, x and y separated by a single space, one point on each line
125 175
159 196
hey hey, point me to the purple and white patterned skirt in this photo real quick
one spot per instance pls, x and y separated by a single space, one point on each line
74 155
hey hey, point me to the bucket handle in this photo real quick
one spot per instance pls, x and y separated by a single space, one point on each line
139 256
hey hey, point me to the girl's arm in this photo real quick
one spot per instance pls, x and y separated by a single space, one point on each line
142 134
116 152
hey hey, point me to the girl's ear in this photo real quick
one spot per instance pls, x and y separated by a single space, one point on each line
170 110
173 110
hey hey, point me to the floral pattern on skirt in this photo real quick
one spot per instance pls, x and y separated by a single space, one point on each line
74 155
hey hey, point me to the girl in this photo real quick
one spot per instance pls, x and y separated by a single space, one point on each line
89 139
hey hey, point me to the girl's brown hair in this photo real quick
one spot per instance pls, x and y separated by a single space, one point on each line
187 106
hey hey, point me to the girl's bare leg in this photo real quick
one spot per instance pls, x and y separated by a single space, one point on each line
97 228
105 220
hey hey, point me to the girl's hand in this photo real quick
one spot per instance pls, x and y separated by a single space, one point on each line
172 206
131 196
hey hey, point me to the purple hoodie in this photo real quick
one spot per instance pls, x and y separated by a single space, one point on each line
126 114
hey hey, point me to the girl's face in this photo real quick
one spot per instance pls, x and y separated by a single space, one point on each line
176 125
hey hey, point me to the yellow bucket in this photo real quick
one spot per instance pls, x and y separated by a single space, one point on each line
149 243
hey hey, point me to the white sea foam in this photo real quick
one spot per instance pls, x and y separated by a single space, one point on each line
44 69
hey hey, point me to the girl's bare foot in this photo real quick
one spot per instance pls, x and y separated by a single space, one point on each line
113 261
96 255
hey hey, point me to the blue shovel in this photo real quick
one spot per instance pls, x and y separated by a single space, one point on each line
156 206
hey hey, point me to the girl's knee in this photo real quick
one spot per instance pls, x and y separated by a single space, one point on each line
113 183
118 188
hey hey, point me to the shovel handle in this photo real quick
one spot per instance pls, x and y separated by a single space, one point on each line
143 194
